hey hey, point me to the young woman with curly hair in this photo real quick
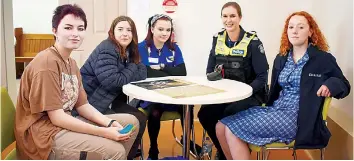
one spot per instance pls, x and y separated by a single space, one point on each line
300 83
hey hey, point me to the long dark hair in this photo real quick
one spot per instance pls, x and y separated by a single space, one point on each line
149 37
133 46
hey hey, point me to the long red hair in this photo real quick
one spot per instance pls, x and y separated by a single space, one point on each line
317 38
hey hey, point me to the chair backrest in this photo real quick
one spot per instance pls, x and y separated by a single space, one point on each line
326 105
7 119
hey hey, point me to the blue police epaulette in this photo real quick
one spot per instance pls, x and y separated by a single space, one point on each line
219 33
255 37
253 32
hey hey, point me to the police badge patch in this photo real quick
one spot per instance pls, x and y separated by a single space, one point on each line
261 48
219 43
172 58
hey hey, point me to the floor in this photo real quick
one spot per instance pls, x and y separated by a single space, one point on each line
168 147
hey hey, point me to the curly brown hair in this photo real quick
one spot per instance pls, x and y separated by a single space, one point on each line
317 38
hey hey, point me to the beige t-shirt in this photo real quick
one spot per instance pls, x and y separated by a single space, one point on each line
48 83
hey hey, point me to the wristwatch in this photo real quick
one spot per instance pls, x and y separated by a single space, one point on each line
110 123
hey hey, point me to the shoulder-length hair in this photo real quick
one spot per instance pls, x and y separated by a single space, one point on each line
133 46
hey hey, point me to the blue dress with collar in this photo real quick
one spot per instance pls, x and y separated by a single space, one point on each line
278 123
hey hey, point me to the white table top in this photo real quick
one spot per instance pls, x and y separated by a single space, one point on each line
235 91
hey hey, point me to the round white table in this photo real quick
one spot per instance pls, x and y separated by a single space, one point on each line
234 91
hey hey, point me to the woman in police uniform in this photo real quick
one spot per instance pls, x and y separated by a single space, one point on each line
162 57
241 56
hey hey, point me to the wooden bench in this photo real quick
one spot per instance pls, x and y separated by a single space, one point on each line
28 45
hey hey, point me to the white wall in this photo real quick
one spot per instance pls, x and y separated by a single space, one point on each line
34 16
2 50
338 29
7 49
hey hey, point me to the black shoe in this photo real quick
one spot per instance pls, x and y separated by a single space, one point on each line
153 154
138 153
191 147
219 156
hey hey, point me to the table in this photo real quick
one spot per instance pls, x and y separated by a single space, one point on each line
234 91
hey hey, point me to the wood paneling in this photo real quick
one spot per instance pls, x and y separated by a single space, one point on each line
29 45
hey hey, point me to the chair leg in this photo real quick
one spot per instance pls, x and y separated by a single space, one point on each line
174 134
264 153
267 153
141 149
179 142
322 153
258 155
204 136
194 147
294 155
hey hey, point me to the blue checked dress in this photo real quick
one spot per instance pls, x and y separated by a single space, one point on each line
278 123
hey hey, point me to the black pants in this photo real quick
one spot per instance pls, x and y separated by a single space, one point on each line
120 106
209 115
155 113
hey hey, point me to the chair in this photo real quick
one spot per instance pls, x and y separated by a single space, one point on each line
7 126
264 150
166 116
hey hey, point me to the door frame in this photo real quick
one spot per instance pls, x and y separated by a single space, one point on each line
8 49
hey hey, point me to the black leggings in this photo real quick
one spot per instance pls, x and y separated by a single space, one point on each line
155 113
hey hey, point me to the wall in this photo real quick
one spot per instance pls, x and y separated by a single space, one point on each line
7 49
34 16
197 21
340 146
2 50
338 29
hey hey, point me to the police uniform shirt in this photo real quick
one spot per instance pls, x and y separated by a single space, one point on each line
255 54
165 56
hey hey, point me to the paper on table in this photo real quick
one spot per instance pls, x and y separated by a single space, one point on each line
188 91
161 84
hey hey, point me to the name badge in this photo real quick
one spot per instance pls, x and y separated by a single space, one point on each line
238 52
315 75
169 59
153 60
